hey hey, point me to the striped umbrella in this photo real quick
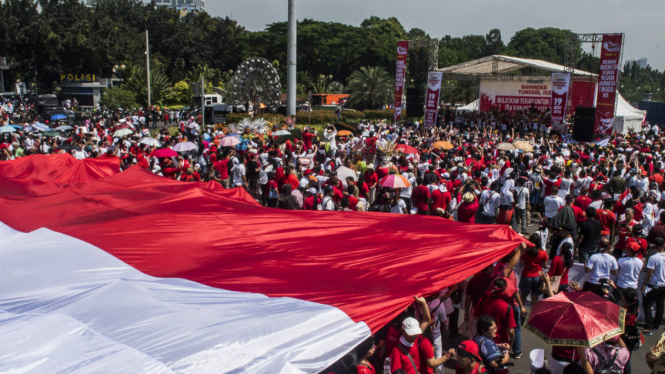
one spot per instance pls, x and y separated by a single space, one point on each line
394 181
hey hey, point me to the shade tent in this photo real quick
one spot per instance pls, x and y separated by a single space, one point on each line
470 107
627 117
247 288
498 64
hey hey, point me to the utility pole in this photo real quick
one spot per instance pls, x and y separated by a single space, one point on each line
147 64
291 61
203 107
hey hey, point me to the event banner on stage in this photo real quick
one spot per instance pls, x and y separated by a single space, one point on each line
514 95
432 98
560 88
610 56
400 76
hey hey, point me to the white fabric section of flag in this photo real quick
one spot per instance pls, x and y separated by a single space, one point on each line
68 306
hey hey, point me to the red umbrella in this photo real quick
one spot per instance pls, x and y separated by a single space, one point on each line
394 181
164 152
406 148
122 126
579 319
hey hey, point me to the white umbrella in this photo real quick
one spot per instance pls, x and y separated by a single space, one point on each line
185 147
151 142
7 128
281 133
122 132
343 172
64 128
40 127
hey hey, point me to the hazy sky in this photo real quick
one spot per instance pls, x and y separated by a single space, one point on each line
641 20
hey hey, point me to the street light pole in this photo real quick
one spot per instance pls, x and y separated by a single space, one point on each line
147 64
291 61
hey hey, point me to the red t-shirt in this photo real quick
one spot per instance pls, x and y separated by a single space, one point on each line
292 180
607 220
222 168
363 191
309 203
392 337
353 202
548 185
625 232
381 172
502 313
467 212
477 370
582 202
643 246
398 360
558 269
533 265
426 351
370 145
420 195
439 200
307 140
371 178
477 286
362 369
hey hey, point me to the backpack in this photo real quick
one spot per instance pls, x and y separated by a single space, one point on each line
608 367
481 203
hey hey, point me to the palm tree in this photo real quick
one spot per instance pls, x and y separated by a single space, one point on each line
370 87
160 86
459 91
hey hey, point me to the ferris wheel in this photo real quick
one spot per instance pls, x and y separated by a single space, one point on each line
257 81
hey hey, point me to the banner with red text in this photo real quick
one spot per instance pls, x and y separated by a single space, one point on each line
432 98
515 95
400 75
608 76
560 88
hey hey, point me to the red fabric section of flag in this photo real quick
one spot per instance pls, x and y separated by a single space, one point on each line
367 264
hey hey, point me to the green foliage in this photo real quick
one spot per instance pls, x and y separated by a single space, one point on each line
316 117
160 86
236 117
181 94
118 97
459 92
546 44
635 82
349 114
387 114
370 87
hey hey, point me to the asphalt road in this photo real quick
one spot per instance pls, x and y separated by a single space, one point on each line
531 341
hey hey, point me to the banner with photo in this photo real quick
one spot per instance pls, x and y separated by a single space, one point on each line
608 76
432 98
400 76
560 88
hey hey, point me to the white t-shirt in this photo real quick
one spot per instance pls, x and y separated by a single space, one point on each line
490 199
552 205
657 264
399 207
601 264
564 188
522 194
238 173
629 272
327 203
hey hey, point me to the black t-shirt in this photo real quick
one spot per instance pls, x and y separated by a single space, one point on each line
591 230
251 167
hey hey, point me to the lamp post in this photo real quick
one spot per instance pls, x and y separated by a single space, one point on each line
147 64
291 61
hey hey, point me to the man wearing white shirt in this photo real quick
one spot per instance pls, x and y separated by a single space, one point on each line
600 265
553 202
653 288
629 270
490 201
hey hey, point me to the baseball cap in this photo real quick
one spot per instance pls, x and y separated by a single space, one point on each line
635 247
470 348
412 327
312 191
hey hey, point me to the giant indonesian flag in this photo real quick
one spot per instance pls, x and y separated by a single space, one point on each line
124 272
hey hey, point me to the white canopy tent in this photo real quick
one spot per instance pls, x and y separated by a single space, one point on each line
470 107
497 64
628 118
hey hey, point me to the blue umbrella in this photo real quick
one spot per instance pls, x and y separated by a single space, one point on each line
17 127
57 117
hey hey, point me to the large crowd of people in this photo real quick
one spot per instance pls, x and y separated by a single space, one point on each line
600 205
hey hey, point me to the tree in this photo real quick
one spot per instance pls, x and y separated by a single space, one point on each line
160 86
546 44
370 87
493 43
118 97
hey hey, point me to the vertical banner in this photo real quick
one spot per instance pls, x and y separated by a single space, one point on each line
400 76
432 98
560 88
608 76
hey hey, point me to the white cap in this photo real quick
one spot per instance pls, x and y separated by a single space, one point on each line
411 326
312 191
